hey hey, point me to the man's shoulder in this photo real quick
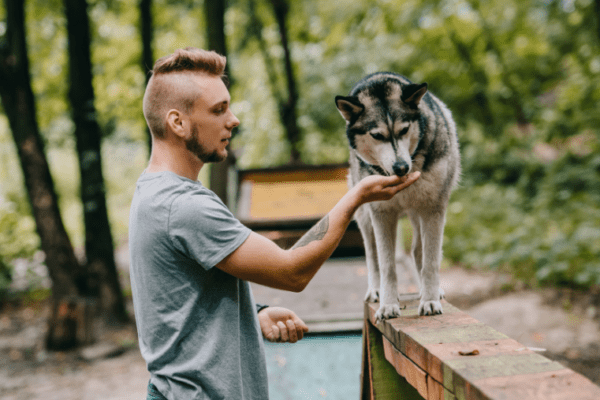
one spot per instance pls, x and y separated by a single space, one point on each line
161 193
197 201
180 198
166 184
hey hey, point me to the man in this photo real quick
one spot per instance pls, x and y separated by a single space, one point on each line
191 260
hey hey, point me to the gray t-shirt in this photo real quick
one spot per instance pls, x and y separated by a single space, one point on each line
197 325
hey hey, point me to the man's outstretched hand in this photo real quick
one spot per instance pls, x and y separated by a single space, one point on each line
279 324
378 187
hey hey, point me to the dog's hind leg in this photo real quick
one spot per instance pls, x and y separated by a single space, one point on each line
363 219
384 228
432 233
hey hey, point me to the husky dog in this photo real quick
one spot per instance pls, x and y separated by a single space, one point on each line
395 127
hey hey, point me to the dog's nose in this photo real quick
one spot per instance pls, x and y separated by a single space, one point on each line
400 168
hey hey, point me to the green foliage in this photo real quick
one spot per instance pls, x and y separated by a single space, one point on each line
522 80
47 48
118 77
493 226
18 238
17 232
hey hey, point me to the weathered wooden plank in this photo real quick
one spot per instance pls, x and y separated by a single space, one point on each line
395 329
412 334
461 376
437 353
500 365
457 334
384 383
456 357
406 368
436 391
563 384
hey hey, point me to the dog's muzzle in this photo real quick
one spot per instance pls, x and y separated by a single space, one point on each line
400 168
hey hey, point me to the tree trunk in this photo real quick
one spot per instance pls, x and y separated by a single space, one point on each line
255 29
147 34
214 15
288 110
598 17
102 279
19 105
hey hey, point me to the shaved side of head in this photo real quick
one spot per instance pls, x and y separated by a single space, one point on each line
172 84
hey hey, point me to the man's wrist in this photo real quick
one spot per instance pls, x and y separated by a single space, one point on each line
260 307
354 199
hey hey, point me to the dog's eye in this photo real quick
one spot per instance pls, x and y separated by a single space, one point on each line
403 131
378 136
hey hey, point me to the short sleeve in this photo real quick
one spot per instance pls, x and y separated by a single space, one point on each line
203 229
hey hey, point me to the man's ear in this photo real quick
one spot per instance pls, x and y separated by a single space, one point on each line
413 93
350 107
175 122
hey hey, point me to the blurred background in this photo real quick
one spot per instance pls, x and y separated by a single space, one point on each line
522 79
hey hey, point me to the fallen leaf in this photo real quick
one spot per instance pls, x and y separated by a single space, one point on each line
469 353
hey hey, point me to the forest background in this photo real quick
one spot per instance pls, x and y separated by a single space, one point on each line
521 77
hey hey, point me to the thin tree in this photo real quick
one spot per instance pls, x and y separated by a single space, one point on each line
214 17
146 27
287 104
288 108
19 105
598 17
102 279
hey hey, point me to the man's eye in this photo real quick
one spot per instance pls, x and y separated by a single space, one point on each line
378 136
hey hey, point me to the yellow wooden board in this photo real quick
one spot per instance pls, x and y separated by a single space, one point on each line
290 200
290 194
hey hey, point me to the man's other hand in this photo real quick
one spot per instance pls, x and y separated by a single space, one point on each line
281 325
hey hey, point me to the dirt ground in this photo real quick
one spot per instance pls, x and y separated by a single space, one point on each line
562 324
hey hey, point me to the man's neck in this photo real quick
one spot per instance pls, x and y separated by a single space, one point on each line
177 160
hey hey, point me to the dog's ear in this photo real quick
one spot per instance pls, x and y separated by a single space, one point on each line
413 93
350 107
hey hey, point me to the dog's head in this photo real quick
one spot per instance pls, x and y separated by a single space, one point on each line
382 121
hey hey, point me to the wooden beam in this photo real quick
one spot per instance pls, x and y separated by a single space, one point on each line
453 356
383 382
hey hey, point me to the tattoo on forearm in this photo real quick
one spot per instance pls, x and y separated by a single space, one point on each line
317 232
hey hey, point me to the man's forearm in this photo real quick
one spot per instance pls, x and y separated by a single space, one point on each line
260 260
317 232
317 245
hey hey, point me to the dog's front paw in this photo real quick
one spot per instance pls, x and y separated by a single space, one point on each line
372 296
387 311
442 294
432 307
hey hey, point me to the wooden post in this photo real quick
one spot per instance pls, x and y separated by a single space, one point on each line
379 378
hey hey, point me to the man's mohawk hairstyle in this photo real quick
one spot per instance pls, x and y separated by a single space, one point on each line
191 59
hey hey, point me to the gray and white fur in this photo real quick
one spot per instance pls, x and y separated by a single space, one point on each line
395 127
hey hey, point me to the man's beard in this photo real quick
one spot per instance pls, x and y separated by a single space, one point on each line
194 146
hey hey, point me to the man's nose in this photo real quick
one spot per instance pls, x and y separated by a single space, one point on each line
400 168
233 121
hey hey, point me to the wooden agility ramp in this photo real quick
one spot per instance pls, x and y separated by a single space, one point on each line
453 356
